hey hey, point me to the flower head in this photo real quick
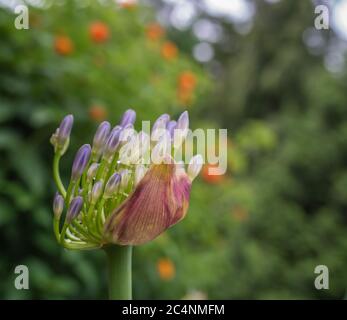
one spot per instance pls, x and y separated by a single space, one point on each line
186 86
127 189
154 31
63 45
166 269
99 31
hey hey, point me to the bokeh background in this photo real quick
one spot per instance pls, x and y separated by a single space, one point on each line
258 68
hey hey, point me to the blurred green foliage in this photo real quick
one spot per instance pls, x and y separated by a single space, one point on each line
259 231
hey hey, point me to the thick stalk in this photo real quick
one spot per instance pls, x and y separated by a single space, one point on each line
119 272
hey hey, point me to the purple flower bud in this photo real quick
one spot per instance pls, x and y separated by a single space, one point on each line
74 208
112 142
96 191
129 116
125 178
181 130
91 173
58 205
64 131
170 127
183 121
100 138
161 122
81 160
112 185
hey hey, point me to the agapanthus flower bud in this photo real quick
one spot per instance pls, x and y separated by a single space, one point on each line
60 139
91 173
181 129
125 178
161 149
96 191
183 121
143 141
140 172
112 142
112 185
58 205
129 153
194 166
170 127
137 203
100 138
129 117
74 208
81 160
161 121
159 127
127 133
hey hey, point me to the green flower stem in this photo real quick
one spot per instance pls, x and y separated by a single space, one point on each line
119 272
56 228
98 219
69 192
112 167
56 174
100 169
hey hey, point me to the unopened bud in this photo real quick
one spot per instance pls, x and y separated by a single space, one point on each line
61 138
81 160
58 205
112 185
100 138
74 208
129 117
125 178
112 142
96 191
91 173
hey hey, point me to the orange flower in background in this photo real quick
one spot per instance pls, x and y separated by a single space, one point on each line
187 80
210 177
97 113
166 269
186 87
169 50
63 45
154 31
99 32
